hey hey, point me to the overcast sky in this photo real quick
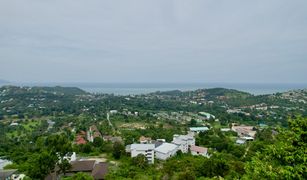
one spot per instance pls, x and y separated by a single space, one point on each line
259 41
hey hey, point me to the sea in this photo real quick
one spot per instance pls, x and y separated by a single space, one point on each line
145 88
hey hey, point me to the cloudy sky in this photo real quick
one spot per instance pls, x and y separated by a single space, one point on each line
261 41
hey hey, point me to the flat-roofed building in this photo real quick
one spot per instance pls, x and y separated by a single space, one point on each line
166 150
184 142
199 129
145 149
197 150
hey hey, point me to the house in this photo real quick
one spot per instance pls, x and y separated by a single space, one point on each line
166 150
225 129
197 150
97 170
9 174
247 138
113 139
198 129
4 162
71 157
113 111
93 133
80 138
184 142
158 142
244 131
145 140
14 124
240 141
207 115
128 148
145 149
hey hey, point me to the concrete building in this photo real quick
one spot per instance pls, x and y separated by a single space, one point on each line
198 129
184 142
166 150
244 131
207 115
145 140
146 149
199 151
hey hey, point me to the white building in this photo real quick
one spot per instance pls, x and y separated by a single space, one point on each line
14 124
113 111
197 150
207 115
198 129
146 149
166 150
184 142
71 157
225 129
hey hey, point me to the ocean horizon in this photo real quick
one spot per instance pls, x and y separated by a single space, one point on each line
144 88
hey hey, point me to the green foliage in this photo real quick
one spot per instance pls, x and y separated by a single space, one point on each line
193 122
35 150
118 150
98 142
40 165
285 158
11 166
140 161
62 148
79 176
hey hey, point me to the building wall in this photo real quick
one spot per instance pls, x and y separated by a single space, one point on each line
194 153
184 144
163 156
150 154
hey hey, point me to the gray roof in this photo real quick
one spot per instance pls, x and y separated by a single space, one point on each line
82 166
199 128
7 173
166 148
100 170
157 143
142 146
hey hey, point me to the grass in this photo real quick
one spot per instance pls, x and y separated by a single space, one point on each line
28 126
31 125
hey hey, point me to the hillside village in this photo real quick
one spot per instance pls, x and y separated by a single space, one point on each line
108 133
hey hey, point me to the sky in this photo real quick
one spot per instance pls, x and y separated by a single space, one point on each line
241 41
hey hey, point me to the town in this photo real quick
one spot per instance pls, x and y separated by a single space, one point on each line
137 136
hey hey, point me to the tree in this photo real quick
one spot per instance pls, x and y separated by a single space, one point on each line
80 176
215 166
40 165
118 149
187 175
85 148
193 122
98 142
140 161
61 146
285 158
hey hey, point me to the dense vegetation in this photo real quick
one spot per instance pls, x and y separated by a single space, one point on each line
38 126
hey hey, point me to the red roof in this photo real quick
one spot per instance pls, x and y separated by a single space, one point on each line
80 140
199 149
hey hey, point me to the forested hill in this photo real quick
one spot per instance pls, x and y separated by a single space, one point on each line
225 104
57 90
206 93
39 101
